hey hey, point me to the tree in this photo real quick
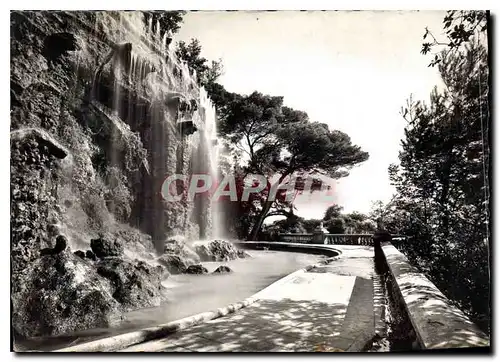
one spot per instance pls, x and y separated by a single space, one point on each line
170 21
460 26
442 198
354 223
311 225
278 140
207 72
302 148
281 142
292 224
358 223
336 225
250 124
333 212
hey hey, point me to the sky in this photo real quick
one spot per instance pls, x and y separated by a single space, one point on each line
351 70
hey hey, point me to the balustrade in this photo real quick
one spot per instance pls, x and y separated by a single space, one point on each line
333 239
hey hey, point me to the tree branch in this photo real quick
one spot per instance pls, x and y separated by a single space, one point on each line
260 137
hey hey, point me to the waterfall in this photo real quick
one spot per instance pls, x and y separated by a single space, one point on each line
176 121
212 144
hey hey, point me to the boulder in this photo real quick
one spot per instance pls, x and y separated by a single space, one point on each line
177 246
174 263
80 254
135 284
61 244
103 248
243 254
59 294
218 250
90 255
204 253
196 269
223 269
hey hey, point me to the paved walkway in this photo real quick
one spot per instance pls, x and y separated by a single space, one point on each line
328 308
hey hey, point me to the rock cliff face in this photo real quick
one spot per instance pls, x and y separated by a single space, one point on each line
101 113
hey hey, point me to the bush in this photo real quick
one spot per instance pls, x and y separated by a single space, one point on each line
336 226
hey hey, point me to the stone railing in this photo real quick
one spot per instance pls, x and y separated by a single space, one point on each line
432 318
333 239
296 238
349 239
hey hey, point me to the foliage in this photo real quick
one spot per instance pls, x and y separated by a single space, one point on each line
351 223
279 141
357 223
332 212
442 199
460 27
240 215
336 225
292 224
310 225
117 196
334 221
135 154
207 72
223 101
169 21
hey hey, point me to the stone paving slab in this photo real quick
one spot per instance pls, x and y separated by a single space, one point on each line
328 308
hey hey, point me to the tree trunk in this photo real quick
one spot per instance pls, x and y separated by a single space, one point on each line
260 221
265 210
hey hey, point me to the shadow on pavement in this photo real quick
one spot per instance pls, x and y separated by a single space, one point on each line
286 325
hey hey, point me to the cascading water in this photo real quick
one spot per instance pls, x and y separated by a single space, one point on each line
155 93
212 144
106 114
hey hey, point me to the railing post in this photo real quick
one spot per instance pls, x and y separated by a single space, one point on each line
319 237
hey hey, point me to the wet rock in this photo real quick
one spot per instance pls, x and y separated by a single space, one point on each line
218 250
184 105
16 91
196 269
103 248
243 254
58 294
80 254
174 263
43 140
58 44
90 255
61 243
135 284
223 269
179 247
14 100
204 253
53 229
163 271
186 127
193 105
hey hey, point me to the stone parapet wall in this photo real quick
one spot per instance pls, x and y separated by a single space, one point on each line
437 323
